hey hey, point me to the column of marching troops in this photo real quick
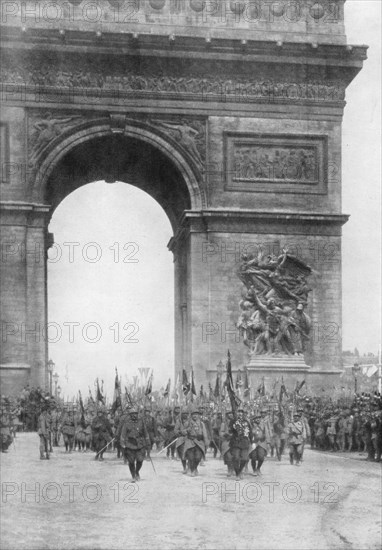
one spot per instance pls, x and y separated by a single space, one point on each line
246 436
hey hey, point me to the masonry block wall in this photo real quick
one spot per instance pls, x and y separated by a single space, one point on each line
217 291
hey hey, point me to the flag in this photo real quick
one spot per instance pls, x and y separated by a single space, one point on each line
273 394
235 401
82 408
117 394
99 396
371 371
211 396
167 390
217 386
149 387
185 383
246 383
300 386
91 400
261 388
176 389
129 400
193 389
201 394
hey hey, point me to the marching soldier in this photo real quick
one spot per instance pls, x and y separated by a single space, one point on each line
348 430
68 429
356 431
55 417
44 431
169 426
266 426
341 432
296 439
376 434
305 423
87 433
181 427
205 418
215 440
280 434
134 440
152 430
118 423
241 438
225 437
5 431
259 445
196 442
102 433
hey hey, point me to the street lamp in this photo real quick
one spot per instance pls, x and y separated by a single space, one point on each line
50 365
58 392
55 378
220 368
356 369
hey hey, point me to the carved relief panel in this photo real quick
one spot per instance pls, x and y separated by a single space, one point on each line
274 163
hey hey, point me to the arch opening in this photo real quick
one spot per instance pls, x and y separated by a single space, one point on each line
110 286
117 157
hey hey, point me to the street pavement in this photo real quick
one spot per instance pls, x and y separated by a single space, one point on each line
74 502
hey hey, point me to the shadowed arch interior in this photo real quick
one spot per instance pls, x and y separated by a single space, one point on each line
121 158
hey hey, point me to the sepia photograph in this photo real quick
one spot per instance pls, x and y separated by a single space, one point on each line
190 275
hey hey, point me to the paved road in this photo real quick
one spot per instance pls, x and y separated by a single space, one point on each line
331 501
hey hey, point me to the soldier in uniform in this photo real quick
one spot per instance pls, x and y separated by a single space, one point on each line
215 440
44 431
312 427
83 433
376 434
319 433
102 433
356 431
118 423
169 426
305 422
134 440
241 438
55 416
331 431
6 437
152 430
280 434
68 429
196 442
181 427
296 439
225 437
205 418
87 433
259 445
348 430
266 426
341 432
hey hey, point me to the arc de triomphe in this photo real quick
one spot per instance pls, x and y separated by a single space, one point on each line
228 113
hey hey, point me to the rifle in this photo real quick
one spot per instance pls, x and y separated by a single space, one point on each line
169 445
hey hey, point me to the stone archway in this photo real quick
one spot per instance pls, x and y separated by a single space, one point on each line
101 150
161 138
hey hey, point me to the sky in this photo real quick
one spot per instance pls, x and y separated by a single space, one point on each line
117 298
